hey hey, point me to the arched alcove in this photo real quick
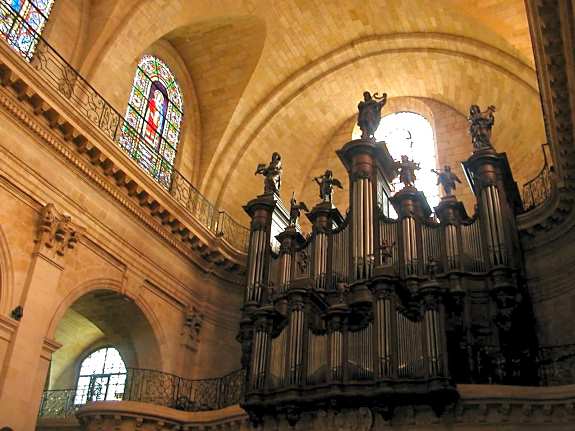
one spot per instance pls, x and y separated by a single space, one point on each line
102 318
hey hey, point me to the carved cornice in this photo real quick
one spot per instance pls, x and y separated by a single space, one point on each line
479 405
550 23
51 119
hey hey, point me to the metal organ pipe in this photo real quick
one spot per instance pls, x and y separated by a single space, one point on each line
451 246
409 244
383 322
336 354
493 225
360 227
320 259
296 345
285 271
259 359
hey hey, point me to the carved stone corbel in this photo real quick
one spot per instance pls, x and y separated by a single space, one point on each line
56 233
192 327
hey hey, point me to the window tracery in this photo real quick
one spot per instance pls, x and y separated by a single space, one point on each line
153 119
22 34
102 376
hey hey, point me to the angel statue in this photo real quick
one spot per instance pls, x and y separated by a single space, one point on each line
295 210
447 179
326 183
369 114
272 174
480 124
407 170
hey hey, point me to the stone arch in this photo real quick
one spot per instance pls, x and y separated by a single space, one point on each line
310 84
6 275
104 313
67 28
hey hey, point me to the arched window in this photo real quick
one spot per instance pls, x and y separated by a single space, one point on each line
410 134
102 377
21 21
154 118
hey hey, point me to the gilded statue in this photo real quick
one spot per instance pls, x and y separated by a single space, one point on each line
369 114
326 184
407 170
272 174
480 125
447 179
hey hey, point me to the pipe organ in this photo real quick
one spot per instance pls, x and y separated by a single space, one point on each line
373 311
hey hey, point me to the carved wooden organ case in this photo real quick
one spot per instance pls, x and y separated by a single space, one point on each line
379 312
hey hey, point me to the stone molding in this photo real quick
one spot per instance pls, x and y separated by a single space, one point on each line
49 118
7 327
48 347
480 405
552 35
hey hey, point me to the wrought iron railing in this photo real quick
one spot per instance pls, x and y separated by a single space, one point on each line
58 74
152 387
537 190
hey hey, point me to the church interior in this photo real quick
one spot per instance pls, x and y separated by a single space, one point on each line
287 214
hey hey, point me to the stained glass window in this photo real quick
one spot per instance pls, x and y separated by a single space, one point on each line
102 377
21 23
153 119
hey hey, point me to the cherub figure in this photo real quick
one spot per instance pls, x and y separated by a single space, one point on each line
369 114
272 174
480 125
326 183
407 170
295 210
447 179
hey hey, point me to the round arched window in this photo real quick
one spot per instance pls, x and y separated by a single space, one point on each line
102 377
410 134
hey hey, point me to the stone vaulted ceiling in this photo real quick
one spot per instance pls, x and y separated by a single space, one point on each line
273 75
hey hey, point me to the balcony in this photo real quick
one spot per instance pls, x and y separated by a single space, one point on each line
98 133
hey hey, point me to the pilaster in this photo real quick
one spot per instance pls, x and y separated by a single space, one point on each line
28 357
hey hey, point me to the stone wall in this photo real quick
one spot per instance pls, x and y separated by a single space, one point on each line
63 238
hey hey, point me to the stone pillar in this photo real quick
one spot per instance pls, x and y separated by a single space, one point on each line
26 366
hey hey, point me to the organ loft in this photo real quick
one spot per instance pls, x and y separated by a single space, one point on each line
376 312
